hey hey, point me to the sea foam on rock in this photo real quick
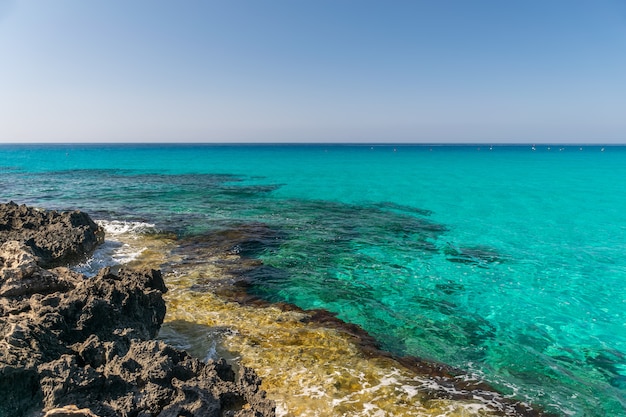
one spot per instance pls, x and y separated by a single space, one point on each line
71 345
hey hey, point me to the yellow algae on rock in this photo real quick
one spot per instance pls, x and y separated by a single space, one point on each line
308 369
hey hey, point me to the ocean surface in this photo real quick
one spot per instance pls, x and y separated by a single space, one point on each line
506 263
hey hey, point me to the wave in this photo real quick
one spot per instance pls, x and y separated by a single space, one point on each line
116 228
119 246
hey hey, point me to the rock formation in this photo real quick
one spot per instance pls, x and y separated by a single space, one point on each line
77 346
55 238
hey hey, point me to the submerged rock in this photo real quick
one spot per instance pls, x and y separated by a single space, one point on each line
77 346
480 256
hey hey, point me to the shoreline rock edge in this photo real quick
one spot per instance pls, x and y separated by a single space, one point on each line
77 346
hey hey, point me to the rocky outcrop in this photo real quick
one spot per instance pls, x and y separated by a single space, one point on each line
55 238
77 346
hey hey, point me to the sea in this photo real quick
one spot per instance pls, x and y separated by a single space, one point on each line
370 279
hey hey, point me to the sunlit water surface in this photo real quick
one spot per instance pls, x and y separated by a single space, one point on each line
505 263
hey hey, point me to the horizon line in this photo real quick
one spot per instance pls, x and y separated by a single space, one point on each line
324 143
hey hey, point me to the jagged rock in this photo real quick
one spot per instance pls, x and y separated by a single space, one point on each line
55 238
152 378
77 346
20 275
39 327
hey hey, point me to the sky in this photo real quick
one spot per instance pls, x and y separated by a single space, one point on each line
460 71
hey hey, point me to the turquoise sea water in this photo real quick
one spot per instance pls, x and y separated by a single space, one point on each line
506 262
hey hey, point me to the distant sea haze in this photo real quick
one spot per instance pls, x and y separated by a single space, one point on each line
503 262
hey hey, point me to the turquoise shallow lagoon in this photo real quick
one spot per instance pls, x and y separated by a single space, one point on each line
505 261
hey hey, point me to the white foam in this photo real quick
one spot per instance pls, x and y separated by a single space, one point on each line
366 401
115 250
281 409
132 229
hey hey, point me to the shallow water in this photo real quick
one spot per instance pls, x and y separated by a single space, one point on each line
506 264
311 363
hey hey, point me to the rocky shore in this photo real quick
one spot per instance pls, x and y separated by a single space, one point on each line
77 346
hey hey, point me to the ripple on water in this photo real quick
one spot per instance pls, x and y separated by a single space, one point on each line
311 363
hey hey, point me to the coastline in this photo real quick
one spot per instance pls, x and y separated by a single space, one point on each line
209 282
78 346
414 384
511 322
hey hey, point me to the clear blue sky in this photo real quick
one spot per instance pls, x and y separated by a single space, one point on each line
314 71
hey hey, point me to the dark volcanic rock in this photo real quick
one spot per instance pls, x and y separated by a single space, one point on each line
42 325
151 378
55 238
77 346
20 275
